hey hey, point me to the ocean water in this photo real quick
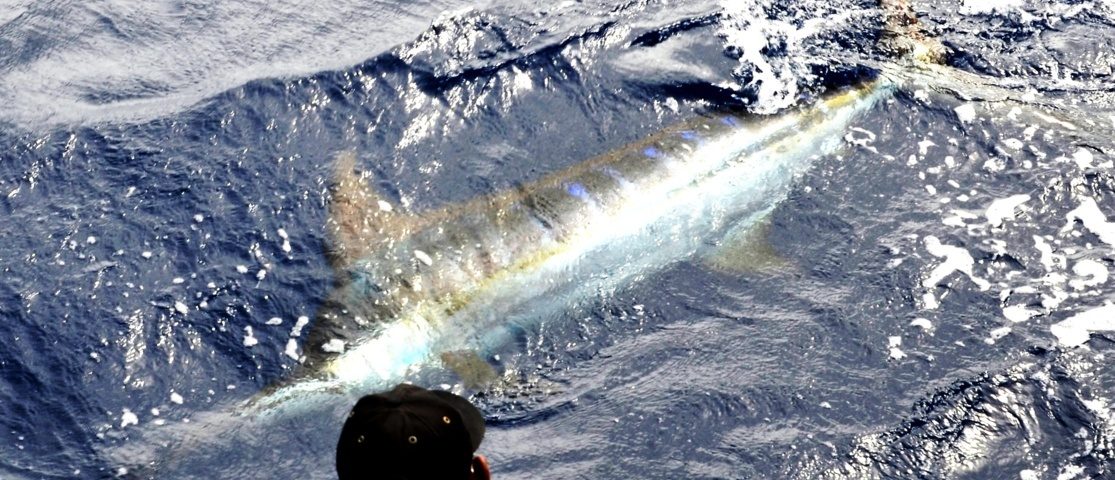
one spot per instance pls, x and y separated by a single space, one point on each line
938 304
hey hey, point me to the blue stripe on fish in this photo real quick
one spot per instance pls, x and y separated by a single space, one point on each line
730 121
577 190
689 135
652 152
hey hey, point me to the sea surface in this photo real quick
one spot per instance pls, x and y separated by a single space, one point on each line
165 174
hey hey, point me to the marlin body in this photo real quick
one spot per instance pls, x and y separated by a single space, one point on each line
412 286
412 290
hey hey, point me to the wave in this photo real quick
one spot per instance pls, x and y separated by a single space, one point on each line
90 62
1039 418
144 62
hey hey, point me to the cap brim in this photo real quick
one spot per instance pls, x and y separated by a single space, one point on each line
470 415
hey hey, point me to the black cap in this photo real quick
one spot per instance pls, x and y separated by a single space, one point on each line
409 433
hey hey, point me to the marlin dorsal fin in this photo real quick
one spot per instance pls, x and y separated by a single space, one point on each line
360 220
904 35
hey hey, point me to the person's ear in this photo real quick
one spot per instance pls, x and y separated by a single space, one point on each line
480 470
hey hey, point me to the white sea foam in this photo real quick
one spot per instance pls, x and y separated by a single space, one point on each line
249 339
775 85
1049 260
1077 329
1004 208
895 353
335 345
922 323
1028 134
1070 472
923 146
1019 313
981 7
1032 11
292 349
128 418
1093 219
861 137
1058 284
994 165
286 240
1083 158
959 218
1095 273
956 259
966 113
929 301
753 33
996 334
299 325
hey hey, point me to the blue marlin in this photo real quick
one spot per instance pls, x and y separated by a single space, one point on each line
412 286
415 289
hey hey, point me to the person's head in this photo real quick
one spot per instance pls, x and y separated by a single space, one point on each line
414 434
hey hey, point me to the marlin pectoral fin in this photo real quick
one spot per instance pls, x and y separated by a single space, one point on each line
475 372
747 249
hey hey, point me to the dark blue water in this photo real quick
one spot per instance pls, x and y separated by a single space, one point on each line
156 158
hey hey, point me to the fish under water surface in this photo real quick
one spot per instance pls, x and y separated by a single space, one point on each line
414 288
